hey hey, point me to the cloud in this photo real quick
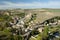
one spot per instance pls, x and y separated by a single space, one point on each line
50 4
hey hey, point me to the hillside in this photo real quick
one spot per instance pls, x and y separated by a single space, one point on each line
44 14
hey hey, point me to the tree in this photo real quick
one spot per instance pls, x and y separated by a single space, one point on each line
39 37
45 33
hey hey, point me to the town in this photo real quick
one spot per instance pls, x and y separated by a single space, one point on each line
25 26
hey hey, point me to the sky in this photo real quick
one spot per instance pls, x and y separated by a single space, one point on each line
6 4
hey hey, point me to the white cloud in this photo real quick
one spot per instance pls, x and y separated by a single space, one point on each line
50 4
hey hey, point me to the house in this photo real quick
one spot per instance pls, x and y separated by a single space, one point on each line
40 29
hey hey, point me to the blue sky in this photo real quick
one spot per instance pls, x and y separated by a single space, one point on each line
5 4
